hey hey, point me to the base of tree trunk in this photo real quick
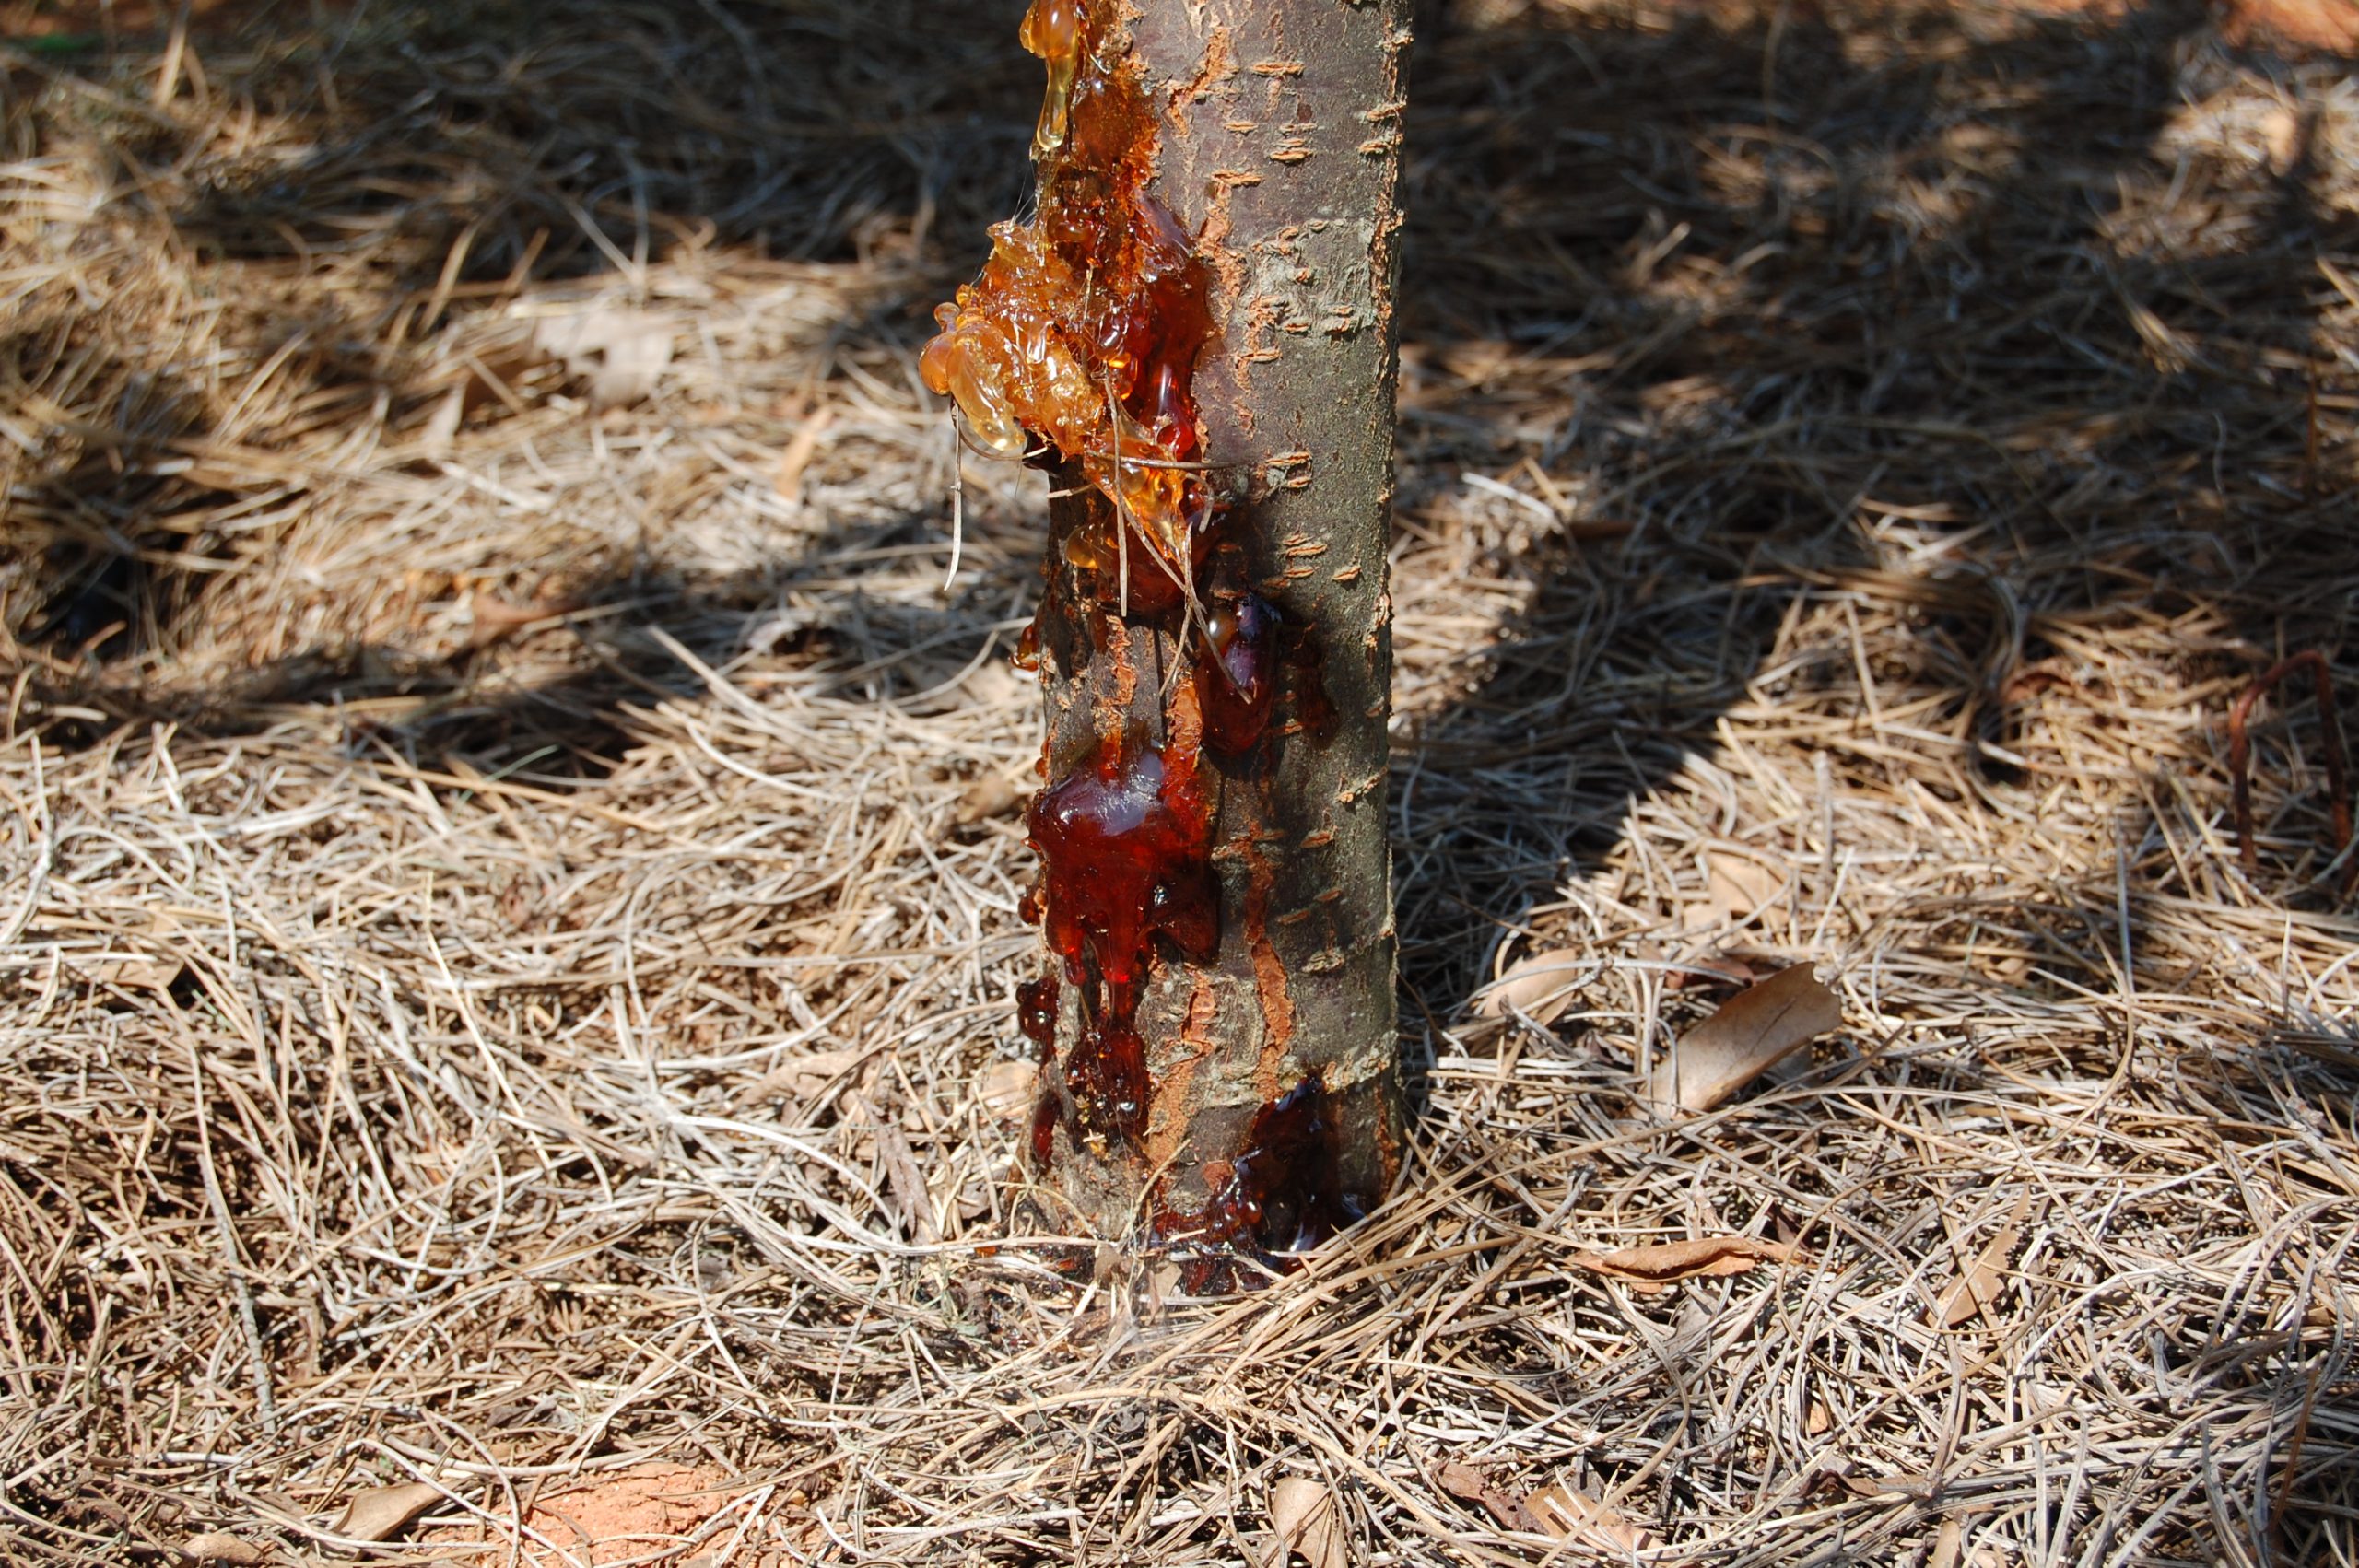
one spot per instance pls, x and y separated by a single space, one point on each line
1194 337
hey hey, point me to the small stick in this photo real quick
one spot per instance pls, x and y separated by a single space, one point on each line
2337 765
1176 466
1122 505
958 500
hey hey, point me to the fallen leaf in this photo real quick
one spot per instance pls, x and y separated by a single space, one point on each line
1004 1088
1584 1521
1949 1545
382 1513
1540 985
1817 1420
1734 887
1976 1292
622 352
1724 968
1754 1031
1653 1268
1837 1474
492 617
221 1546
905 1190
1308 1525
801 1081
134 971
800 449
991 795
1469 1485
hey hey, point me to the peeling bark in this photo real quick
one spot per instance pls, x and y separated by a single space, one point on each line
1213 261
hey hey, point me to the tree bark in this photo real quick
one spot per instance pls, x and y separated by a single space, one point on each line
1220 176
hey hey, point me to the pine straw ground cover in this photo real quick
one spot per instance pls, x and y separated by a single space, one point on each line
509 923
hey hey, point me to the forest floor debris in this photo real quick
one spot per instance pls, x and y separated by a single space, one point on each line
508 935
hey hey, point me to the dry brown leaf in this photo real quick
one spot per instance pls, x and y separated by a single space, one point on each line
1714 969
1949 1545
492 617
384 1511
1734 887
1584 1521
905 1186
221 1546
1754 1031
1468 1485
1653 1268
1308 1525
1540 985
1976 1292
801 1081
1004 1088
131 970
1839 1474
994 794
622 352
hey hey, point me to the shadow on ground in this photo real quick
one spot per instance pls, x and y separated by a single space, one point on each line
1715 318
1719 295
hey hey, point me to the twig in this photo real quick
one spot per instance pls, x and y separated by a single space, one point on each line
2337 767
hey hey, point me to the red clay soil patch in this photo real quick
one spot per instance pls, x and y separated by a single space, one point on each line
650 1513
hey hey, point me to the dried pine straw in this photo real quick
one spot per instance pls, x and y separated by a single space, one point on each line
510 922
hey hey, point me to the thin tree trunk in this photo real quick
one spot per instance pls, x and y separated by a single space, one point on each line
1195 335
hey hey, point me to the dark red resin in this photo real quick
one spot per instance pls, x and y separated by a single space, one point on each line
1045 1116
1237 684
1126 846
1036 1010
1305 660
1284 1193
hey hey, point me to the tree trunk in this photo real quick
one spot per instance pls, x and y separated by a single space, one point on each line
1195 337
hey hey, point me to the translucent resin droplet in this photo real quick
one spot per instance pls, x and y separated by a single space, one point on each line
1052 30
